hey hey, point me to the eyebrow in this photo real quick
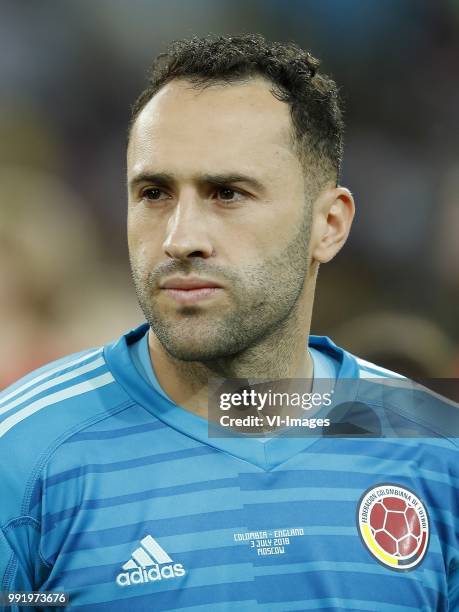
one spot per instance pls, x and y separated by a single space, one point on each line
217 180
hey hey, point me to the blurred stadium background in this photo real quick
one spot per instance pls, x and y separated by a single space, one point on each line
69 72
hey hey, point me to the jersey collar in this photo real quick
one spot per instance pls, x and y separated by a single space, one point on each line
266 456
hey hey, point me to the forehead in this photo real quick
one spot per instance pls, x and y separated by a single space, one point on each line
212 126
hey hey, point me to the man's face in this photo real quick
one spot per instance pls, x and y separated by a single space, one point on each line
216 192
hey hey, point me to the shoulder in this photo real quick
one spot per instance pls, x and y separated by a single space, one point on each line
65 380
349 366
401 407
44 408
367 369
411 409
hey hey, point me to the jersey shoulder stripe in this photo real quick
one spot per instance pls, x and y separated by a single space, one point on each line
371 370
22 394
69 377
53 398
45 372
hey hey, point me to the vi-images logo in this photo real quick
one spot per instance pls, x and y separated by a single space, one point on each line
149 563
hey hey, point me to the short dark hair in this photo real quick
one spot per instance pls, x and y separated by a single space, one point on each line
313 98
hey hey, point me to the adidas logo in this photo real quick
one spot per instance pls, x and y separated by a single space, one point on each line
149 563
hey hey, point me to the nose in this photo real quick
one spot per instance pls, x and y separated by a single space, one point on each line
187 234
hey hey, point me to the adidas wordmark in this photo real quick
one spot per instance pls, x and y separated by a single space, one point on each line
149 563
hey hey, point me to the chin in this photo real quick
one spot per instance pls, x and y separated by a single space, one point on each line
192 341
198 351
187 353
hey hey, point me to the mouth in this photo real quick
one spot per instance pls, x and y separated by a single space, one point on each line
190 290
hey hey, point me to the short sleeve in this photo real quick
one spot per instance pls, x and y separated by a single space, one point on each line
12 573
21 566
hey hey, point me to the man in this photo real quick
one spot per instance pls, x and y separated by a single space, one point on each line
118 494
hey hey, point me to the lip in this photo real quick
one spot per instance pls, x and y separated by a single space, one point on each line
190 289
189 284
191 296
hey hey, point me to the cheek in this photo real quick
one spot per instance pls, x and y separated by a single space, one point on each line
133 229
143 239
273 233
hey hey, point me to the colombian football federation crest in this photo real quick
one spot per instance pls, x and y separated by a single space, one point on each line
394 526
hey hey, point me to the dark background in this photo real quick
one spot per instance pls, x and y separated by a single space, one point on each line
69 71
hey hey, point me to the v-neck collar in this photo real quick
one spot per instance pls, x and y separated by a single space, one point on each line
266 456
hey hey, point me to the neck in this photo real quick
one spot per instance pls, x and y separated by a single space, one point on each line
281 354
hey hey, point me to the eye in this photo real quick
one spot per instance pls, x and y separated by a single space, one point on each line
226 194
153 194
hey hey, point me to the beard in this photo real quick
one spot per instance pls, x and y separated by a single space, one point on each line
256 301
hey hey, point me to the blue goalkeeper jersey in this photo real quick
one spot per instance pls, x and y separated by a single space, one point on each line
115 495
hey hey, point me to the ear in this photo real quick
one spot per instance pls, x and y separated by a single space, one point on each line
333 214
